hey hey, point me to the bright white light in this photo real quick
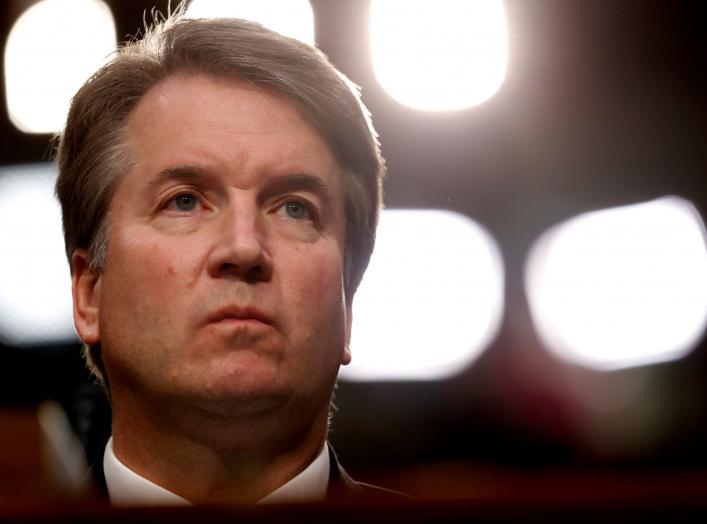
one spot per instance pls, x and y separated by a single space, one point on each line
35 286
441 55
51 50
621 287
431 300
293 18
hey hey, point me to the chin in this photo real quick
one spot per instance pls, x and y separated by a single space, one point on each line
244 391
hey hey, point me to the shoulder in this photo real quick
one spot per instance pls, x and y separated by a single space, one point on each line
342 488
379 494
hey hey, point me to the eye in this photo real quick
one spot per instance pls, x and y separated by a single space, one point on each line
297 210
185 202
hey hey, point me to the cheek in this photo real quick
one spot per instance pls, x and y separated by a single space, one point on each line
316 273
145 285
143 272
313 293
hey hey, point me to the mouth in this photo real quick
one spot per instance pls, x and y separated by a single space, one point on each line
238 314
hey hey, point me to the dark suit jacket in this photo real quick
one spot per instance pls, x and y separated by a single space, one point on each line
342 488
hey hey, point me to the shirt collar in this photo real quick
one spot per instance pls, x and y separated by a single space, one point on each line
127 488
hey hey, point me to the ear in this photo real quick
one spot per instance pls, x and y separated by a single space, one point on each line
346 355
86 291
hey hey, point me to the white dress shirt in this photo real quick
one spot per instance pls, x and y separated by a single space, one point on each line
127 488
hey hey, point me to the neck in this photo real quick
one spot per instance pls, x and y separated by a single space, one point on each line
230 458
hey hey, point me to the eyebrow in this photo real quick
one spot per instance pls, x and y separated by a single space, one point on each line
178 173
299 182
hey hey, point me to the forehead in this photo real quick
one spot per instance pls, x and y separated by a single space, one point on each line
226 123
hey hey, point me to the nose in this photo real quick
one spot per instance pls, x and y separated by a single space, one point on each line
239 250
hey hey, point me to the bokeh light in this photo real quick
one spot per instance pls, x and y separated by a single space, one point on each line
431 300
35 286
293 18
51 50
442 55
621 287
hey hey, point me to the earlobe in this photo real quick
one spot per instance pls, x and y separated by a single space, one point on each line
346 355
85 290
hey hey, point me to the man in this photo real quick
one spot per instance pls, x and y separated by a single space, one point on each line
220 186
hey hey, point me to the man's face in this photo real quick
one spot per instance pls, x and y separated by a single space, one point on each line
223 283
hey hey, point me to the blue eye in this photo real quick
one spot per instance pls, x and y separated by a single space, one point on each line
185 202
296 210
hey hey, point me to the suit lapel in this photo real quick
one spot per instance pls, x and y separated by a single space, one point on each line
341 486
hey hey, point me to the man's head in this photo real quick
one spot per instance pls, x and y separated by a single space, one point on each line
160 91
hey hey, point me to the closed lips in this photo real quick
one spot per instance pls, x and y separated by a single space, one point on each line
239 313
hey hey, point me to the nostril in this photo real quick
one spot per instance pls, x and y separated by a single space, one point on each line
248 273
229 268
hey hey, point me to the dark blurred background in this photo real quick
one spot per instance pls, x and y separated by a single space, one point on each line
604 104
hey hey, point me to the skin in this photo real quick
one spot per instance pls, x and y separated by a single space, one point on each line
220 311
